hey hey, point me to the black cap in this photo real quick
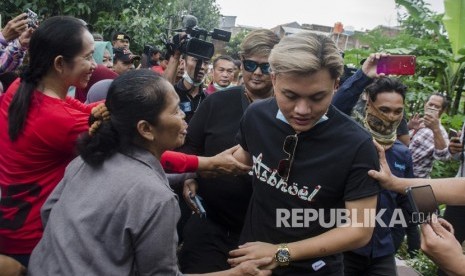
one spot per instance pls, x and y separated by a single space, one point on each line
120 35
124 55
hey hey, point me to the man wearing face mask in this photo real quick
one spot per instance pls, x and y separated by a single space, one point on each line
223 74
380 112
190 87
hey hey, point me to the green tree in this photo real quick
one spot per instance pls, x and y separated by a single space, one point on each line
454 22
146 21
423 34
234 45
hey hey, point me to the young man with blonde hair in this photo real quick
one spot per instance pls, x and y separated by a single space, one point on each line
310 162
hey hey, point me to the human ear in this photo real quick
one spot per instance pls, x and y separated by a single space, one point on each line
336 84
145 130
273 78
59 64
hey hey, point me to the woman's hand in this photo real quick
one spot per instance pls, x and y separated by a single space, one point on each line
253 267
223 163
190 190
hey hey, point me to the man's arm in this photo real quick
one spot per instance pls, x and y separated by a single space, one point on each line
446 190
340 239
348 94
242 156
441 141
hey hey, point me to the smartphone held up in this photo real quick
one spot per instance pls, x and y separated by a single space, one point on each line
396 65
33 19
453 133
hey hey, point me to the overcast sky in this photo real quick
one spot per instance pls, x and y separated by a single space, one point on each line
360 14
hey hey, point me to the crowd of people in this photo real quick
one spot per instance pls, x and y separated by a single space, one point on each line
169 164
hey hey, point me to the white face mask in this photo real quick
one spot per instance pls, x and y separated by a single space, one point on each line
191 81
219 87
72 91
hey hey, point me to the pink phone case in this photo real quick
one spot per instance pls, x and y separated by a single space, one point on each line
396 65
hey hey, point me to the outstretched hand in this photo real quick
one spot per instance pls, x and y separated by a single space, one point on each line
415 122
253 251
384 176
254 267
224 163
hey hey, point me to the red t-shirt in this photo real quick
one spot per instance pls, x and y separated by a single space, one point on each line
158 69
32 166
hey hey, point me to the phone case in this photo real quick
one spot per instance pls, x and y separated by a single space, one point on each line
423 202
453 133
396 65
196 200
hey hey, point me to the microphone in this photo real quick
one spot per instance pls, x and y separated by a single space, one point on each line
189 21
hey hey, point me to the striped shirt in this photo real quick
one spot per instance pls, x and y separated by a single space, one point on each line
11 54
424 153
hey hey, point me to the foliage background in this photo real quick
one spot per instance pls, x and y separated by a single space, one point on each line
145 21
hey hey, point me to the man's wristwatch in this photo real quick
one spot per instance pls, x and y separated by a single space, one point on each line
283 256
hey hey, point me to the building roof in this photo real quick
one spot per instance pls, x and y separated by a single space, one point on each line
289 30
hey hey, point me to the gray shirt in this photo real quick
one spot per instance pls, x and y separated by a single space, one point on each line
118 219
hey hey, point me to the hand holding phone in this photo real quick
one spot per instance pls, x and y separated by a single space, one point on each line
33 20
197 202
423 203
396 65
453 133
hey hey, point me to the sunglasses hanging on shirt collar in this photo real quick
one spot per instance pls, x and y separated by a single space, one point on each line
284 166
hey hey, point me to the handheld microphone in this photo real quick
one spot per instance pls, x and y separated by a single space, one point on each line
189 21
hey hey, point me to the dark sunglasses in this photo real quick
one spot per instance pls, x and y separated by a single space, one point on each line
251 66
284 166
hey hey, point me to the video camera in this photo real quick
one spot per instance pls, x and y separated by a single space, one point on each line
195 44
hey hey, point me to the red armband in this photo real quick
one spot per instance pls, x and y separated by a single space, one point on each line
177 162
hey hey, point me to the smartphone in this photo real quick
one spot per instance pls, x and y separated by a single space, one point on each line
423 203
453 133
197 201
396 65
33 20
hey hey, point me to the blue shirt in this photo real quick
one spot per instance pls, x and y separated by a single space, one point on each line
381 244
399 160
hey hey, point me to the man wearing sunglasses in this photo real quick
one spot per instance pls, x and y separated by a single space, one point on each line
308 158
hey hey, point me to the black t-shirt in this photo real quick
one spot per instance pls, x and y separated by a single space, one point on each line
212 130
335 155
189 104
